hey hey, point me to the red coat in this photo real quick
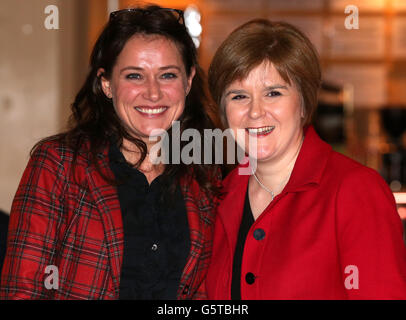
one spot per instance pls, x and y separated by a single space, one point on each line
332 215
80 231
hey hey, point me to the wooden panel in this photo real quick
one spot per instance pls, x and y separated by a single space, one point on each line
97 18
178 4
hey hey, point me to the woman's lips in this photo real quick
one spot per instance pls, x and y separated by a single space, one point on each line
151 111
260 131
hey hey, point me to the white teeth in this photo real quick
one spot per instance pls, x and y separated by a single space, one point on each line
151 111
261 130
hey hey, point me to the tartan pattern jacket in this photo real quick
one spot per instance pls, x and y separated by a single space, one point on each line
78 228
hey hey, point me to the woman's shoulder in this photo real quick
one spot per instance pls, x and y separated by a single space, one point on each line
57 149
53 146
353 176
346 167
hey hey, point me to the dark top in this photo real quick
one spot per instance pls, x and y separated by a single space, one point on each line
156 234
246 223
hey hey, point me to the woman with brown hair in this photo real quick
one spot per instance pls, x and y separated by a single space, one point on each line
308 223
92 206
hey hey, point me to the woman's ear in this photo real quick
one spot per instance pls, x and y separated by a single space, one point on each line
105 83
302 108
190 80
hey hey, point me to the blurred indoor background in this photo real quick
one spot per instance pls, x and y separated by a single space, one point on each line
362 110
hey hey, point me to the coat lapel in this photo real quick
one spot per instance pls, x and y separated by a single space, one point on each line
108 205
231 208
200 214
195 229
310 164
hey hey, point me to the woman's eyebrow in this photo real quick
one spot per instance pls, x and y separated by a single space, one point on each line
131 68
170 67
276 86
141 69
272 87
234 92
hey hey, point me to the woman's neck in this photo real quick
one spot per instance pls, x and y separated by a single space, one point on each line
132 154
275 173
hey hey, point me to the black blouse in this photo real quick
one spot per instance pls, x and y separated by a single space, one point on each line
156 234
246 223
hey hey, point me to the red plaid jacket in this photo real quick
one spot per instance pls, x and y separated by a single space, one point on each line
55 221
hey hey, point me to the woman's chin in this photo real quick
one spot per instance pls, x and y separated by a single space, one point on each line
153 133
150 132
260 155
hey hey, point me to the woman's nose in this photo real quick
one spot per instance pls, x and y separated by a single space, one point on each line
152 90
256 109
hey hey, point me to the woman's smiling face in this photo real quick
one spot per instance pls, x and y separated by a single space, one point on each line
264 106
148 85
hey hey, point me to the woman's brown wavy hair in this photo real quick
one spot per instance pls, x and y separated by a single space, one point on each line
94 121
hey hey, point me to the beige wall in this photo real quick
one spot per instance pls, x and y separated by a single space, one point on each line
39 71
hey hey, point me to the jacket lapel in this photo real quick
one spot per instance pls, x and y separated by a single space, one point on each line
310 163
200 214
108 205
230 209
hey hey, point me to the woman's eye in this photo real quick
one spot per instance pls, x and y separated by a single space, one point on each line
238 97
274 93
169 75
135 76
